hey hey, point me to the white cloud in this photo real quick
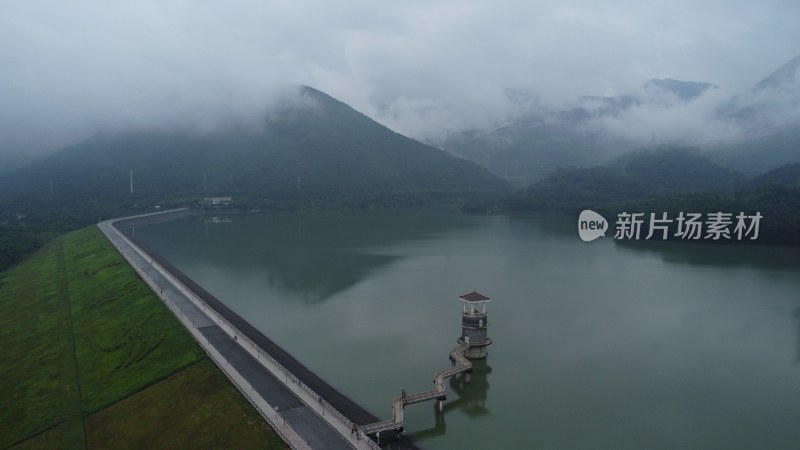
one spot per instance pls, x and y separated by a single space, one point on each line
69 69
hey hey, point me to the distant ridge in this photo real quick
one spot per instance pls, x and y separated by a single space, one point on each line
685 90
314 147
786 74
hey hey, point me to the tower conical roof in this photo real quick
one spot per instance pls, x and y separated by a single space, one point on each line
474 296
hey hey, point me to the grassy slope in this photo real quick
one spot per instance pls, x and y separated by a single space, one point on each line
125 337
30 333
205 392
90 355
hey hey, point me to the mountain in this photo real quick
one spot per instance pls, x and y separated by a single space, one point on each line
760 150
311 148
786 75
654 92
788 175
527 149
766 118
684 90
10 162
769 115
667 170
645 174
775 97
667 180
536 143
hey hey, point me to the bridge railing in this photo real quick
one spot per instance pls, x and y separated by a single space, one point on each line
462 364
251 347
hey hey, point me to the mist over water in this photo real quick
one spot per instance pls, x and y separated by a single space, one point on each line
596 345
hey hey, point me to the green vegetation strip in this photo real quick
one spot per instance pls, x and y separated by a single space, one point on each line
125 337
73 430
90 357
176 410
30 364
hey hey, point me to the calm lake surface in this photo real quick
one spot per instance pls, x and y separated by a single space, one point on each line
596 345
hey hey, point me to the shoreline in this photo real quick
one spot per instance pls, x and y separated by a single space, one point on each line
329 398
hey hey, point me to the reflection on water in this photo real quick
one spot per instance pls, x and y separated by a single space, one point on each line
470 392
734 255
797 315
596 345
215 220
308 255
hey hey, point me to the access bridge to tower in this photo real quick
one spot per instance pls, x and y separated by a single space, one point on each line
472 344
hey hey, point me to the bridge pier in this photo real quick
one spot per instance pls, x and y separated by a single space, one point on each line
471 345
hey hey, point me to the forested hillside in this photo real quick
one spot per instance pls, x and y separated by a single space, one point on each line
312 150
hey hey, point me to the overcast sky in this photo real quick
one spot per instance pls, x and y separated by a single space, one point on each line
71 68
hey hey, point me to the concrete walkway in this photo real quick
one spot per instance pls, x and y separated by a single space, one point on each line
300 416
460 364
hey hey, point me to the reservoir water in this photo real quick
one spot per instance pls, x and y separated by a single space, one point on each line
596 345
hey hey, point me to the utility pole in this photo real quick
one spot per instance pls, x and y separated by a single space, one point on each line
131 181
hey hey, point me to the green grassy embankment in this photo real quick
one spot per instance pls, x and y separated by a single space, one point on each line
90 358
